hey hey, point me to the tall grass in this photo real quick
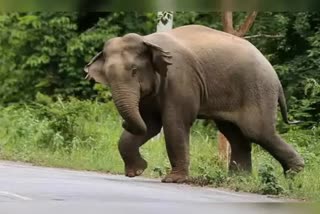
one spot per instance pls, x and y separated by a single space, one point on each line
84 134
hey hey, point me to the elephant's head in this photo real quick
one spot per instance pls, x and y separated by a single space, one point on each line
130 65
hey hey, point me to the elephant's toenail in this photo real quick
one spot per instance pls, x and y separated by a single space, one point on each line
130 174
167 180
180 181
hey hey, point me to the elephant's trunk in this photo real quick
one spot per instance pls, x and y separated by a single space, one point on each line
127 102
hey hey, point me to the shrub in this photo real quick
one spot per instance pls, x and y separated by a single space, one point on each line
57 124
269 183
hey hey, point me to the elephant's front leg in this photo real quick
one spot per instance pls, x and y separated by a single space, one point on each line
177 143
129 145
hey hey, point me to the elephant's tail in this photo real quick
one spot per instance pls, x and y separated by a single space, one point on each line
283 108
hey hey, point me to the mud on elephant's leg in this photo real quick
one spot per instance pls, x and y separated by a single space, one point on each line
240 160
129 145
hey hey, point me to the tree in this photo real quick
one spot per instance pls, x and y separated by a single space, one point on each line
164 21
227 20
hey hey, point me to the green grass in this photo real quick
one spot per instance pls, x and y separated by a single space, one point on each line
83 135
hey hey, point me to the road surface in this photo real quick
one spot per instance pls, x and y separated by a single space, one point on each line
29 189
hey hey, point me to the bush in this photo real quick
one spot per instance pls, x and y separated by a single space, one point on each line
58 124
269 183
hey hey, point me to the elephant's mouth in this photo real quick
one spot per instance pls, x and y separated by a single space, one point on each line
152 92
86 69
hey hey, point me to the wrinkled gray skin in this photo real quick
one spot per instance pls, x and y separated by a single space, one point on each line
170 79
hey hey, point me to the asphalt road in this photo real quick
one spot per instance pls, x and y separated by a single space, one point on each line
30 189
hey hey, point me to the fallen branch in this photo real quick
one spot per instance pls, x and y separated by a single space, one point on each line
264 35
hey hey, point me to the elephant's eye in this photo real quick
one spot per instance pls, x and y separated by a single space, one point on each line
134 70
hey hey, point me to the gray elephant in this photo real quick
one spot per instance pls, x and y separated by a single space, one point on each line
170 79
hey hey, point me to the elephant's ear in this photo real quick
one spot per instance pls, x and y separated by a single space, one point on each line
89 72
160 58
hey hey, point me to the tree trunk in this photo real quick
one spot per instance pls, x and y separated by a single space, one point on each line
227 21
245 27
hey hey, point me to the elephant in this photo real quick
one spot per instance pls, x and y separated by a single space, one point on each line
169 79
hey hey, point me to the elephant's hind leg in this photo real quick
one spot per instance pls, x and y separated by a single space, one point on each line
240 147
261 130
282 152
129 145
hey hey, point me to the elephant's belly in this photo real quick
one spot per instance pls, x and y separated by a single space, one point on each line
219 115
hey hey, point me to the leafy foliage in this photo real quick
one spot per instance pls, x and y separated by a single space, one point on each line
46 52
269 182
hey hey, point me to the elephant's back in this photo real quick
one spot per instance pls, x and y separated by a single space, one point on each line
221 52
205 43
219 56
198 37
234 70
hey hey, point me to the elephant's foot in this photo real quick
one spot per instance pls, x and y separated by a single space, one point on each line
245 166
175 178
294 167
136 168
